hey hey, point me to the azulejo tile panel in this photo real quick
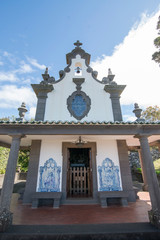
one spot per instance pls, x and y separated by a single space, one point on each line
79 105
109 176
49 180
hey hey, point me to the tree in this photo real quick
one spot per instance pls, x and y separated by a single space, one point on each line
151 113
156 55
23 157
13 118
4 154
23 160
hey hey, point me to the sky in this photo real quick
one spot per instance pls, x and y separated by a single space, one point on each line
118 34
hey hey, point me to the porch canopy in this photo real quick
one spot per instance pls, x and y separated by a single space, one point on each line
114 130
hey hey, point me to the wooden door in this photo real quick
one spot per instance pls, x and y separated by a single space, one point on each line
79 178
79 183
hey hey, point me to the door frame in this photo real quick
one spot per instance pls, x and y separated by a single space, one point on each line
92 146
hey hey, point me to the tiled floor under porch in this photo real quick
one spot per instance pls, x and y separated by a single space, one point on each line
81 214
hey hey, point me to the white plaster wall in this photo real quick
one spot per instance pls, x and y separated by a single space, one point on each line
107 149
51 149
56 104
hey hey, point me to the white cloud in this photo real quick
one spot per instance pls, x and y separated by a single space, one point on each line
132 64
8 76
6 54
31 113
34 62
26 81
128 118
11 76
24 68
10 57
12 96
16 66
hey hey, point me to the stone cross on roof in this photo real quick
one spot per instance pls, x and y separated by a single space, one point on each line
78 43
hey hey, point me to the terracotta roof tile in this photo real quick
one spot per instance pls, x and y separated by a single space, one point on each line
75 123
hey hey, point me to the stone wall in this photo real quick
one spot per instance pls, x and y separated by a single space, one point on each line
18 177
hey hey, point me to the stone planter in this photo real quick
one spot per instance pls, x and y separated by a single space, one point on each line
154 218
5 219
4 226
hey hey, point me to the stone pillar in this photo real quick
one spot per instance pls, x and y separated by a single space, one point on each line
145 185
32 174
151 178
115 92
41 91
41 104
8 182
126 177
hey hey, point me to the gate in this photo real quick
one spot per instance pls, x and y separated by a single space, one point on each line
79 181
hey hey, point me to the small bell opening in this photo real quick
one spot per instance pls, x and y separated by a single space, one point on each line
78 69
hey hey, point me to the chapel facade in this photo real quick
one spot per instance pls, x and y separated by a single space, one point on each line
84 167
79 142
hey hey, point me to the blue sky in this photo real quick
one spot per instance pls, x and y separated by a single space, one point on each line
38 33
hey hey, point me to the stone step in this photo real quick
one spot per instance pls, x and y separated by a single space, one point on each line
131 231
79 201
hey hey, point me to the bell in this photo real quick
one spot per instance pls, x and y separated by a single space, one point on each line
78 69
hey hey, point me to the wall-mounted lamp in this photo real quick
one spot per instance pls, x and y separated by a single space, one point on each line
80 142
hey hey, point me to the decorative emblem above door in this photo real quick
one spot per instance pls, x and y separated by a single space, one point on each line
78 103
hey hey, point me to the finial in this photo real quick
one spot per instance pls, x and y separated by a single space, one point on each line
45 76
46 71
109 72
110 76
78 43
137 111
22 110
136 106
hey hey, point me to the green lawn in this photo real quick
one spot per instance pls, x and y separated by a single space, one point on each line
157 166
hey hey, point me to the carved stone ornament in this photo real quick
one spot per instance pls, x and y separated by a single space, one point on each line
78 103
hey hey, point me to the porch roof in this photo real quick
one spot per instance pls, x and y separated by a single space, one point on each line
48 129
78 123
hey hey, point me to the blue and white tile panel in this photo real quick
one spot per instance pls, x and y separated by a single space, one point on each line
50 149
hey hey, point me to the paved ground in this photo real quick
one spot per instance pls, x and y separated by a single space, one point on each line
86 222
81 214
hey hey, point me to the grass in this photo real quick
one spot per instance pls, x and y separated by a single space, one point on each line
156 166
139 170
